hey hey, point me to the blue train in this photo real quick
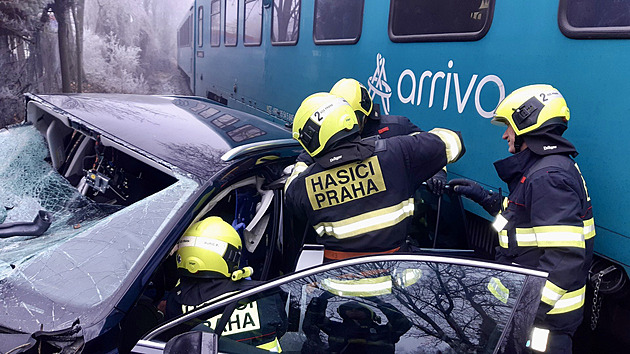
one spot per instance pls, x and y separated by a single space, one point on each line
441 63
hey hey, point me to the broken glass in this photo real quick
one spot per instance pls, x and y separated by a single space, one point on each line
78 268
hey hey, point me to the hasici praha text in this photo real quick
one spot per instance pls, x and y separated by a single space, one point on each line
245 318
345 183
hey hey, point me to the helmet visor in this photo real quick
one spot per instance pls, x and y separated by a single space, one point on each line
527 114
309 136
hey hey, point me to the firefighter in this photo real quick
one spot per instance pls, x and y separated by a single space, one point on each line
360 330
371 123
546 221
357 196
207 258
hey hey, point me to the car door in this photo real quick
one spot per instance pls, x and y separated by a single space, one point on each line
377 304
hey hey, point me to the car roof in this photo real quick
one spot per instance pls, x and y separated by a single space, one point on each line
190 133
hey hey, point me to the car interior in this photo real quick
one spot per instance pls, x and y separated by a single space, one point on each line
253 206
99 168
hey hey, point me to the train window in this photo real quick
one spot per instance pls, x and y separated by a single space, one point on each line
588 19
231 22
444 20
286 22
200 26
337 22
215 23
252 34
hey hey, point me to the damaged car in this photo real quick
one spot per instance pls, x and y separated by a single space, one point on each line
95 190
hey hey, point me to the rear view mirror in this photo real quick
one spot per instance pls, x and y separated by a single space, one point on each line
193 342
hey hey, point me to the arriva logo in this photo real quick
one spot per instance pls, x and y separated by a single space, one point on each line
378 86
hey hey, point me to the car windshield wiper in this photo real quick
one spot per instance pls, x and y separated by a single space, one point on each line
35 228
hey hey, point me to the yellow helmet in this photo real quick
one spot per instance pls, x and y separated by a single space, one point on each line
210 248
531 107
322 120
355 94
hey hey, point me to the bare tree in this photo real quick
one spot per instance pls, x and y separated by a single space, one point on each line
78 14
20 50
61 9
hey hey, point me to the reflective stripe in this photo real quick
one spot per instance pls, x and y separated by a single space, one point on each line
589 228
550 236
570 301
499 290
359 287
212 245
503 238
551 293
298 168
560 236
539 339
371 221
273 346
407 277
526 237
452 141
499 222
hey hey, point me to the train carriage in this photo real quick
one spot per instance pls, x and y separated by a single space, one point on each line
441 63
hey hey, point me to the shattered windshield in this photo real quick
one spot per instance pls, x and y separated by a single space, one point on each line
87 252
28 184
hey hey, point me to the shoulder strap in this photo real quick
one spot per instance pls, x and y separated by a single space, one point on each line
378 142
380 145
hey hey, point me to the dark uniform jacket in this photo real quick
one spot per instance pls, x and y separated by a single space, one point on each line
358 196
550 227
387 126
258 323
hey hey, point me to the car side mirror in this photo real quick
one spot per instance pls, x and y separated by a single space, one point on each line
195 342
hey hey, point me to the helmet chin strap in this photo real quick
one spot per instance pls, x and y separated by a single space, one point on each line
518 143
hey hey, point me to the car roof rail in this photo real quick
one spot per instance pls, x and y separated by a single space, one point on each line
258 146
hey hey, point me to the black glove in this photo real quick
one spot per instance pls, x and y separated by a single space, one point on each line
489 200
437 183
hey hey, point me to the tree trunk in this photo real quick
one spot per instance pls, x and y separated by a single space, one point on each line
79 11
60 8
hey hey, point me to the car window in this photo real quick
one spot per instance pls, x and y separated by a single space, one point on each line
391 305
253 208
